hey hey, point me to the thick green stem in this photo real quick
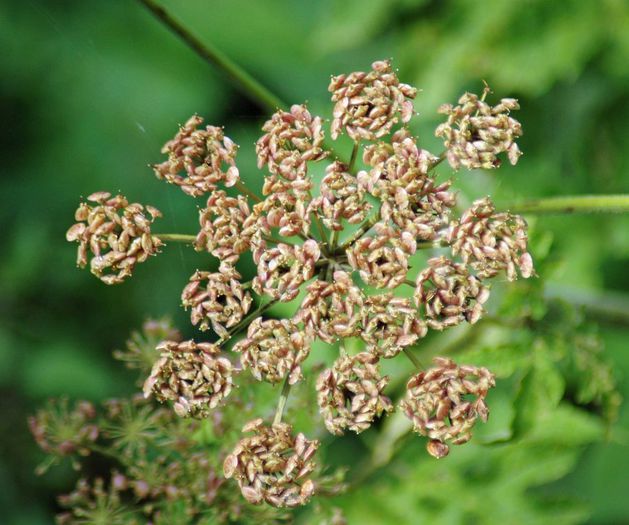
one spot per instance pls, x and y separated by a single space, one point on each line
176 237
243 80
574 204
281 403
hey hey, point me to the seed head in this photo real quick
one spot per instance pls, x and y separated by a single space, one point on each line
272 465
284 268
192 376
438 403
273 350
332 310
118 235
198 159
369 104
350 394
216 299
389 324
341 198
448 294
382 260
491 242
222 227
290 140
476 133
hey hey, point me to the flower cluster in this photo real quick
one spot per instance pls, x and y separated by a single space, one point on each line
118 235
350 394
272 465
344 248
476 133
198 159
438 403
191 375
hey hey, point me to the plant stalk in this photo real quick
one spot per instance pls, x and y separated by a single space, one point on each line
176 237
247 192
574 204
281 403
352 160
243 80
407 351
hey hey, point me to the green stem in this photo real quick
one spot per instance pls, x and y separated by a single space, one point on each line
277 241
246 321
440 159
243 80
281 403
333 240
176 237
324 238
574 204
247 192
412 358
364 228
352 160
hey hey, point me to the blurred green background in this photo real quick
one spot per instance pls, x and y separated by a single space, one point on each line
90 90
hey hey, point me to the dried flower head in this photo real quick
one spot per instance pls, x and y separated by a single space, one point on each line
369 104
310 237
350 394
93 502
476 133
285 211
191 375
448 294
382 260
284 268
198 159
411 199
389 324
273 350
341 198
491 242
272 465
290 140
216 299
118 235
62 430
222 227
438 403
332 309
398 164
140 352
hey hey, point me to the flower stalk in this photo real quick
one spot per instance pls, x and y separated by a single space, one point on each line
213 56
574 204
281 403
